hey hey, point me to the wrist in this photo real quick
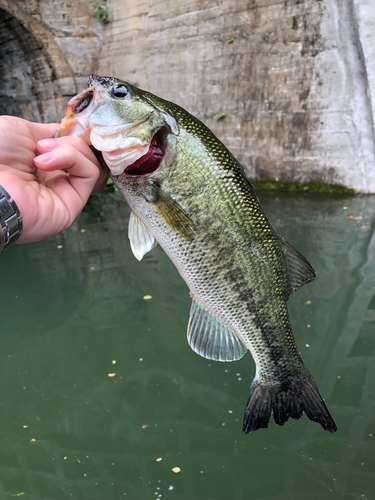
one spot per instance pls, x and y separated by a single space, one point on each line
10 220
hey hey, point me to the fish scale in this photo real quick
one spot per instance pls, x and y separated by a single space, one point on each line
200 207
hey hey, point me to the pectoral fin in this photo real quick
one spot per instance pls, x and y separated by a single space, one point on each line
173 214
299 268
209 338
141 240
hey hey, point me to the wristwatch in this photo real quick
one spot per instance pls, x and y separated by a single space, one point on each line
10 220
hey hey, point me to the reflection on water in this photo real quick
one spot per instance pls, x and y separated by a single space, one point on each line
72 312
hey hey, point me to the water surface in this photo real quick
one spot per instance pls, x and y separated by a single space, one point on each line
73 312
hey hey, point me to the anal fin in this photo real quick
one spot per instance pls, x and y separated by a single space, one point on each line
209 338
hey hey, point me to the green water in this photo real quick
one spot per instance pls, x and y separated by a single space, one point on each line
72 312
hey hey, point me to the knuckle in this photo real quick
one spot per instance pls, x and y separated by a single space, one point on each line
74 141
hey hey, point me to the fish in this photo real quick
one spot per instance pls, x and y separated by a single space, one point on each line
188 193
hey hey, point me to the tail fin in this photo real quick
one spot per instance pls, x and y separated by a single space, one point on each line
285 400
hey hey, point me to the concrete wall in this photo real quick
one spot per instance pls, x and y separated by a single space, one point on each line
297 83
47 50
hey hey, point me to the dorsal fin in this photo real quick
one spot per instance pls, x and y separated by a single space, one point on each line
141 240
209 338
299 268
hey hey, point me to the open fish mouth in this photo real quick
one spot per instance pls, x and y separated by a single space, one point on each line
132 157
134 147
81 101
149 162
120 149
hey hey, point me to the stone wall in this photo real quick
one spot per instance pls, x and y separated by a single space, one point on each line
296 83
47 50
295 79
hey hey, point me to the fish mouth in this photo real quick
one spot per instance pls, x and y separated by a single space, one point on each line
149 162
81 101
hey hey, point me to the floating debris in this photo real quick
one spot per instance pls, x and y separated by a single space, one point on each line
113 361
159 459
59 246
111 374
176 470
144 426
308 302
147 297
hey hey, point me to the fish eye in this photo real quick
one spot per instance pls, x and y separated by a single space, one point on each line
120 92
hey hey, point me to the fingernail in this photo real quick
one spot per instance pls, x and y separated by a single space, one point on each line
44 158
50 143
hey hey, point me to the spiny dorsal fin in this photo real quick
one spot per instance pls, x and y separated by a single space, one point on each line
209 338
141 240
299 268
173 214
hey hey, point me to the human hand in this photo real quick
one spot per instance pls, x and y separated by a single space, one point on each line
50 189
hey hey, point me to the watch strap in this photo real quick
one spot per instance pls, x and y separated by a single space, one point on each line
10 220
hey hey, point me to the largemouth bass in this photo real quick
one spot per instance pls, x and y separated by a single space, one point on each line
189 194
